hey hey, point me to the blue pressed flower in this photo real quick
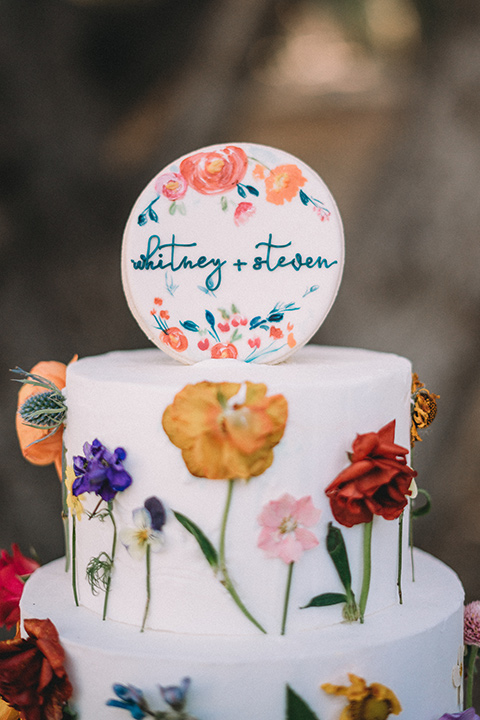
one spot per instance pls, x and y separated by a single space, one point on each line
131 699
100 471
176 695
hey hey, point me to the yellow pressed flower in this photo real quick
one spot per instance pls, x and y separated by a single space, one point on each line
424 408
74 503
365 702
226 430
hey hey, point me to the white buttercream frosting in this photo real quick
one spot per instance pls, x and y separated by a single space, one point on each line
332 394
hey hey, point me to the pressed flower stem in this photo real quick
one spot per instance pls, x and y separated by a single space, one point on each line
74 559
66 533
367 567
287 597
472 656
112 559
222 564
410 540
147 604
400 558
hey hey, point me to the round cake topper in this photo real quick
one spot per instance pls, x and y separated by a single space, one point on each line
233 251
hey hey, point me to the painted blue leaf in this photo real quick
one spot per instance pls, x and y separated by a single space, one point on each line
304 198
263 327
241 191
152 214
275 317
190 325
142 219
252 190
255 322
210 318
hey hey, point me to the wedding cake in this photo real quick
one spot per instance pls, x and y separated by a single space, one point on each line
238 508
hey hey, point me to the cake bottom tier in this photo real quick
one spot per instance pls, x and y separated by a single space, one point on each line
413 649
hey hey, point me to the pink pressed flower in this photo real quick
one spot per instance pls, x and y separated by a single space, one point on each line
472 624
243 212
172 185
283 533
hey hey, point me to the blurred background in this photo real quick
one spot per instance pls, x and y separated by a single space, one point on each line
381 97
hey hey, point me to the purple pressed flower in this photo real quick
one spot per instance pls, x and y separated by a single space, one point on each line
157 512
472 623
176 695
100 471
469 714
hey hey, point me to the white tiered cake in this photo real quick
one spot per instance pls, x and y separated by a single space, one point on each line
241 524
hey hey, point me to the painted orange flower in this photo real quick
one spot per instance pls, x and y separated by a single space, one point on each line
283 183
365 702
175 338
36 447
226 430
33 679
216 171
223 351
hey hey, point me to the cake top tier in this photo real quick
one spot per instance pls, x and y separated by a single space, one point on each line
233 251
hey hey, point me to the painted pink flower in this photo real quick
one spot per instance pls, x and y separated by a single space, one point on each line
283 533
243 212
172 185
238 319
223 327
254 342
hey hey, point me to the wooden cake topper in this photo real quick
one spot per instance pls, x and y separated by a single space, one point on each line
233 251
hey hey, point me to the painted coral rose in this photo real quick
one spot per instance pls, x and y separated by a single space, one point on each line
215 171
39 446
33 679
224 351
283 183
171 185
14 569
175 338
226 430
377 482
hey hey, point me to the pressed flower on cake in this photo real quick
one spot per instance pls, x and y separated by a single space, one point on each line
33 679
226 430
377 482
14 571
41 446
365 702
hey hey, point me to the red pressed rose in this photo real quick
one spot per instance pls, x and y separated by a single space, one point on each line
175 338
13 568
32 674
222 351
376 483
215 171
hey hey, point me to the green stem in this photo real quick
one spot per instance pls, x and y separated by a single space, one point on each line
222 564
147 604
287 597
410 539
400 558
112 558
66 533
367 567
74 559
472 656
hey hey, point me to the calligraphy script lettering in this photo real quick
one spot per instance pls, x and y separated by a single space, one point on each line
154 259
297 262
